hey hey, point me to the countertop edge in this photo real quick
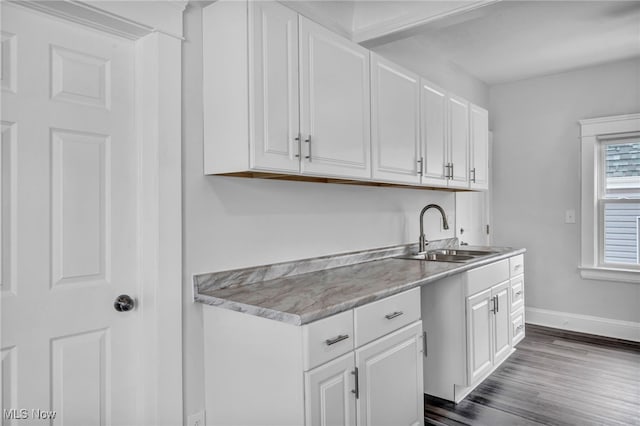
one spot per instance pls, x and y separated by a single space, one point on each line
325 312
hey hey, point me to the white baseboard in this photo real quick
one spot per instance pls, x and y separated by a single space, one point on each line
617 329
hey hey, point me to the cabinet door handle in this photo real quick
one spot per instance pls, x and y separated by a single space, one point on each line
473 172
308 140
421 166
298 139
424 343
337 339
518 293
497 304
356 391
393 315
494 303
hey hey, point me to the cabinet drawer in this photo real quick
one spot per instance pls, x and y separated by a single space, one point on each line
517 326
384 316
327 338
517 292
487 276
516 265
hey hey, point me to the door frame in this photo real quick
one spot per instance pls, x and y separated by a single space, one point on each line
156 30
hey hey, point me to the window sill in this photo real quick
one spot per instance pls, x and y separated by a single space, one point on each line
610 274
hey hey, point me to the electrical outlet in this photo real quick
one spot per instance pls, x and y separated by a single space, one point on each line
196 419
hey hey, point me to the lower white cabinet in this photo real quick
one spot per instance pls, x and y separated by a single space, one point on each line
264 372
470 328
390 379
382 379
330 391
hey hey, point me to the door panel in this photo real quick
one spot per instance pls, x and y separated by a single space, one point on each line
479 335
329 396
395 103
334 105
69 191
434 133
459 141
273 52
479 144
391 389
501 323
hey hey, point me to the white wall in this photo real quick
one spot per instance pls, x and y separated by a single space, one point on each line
536 178
236 222
425 60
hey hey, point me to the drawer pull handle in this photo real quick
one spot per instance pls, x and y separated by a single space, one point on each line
520 327
393 315
335 340
518 266
518 293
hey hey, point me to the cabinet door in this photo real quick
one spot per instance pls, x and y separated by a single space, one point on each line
390 376
501 322
459 142
479 351
334 104
395 126
479 148
329 393
273 87
434 133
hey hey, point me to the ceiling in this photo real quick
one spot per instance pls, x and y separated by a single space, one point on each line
494 41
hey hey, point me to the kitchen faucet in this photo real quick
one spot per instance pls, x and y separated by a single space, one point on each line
422 241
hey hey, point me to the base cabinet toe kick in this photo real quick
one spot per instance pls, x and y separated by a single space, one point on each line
472 322
359 367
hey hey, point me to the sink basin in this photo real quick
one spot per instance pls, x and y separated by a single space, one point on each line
448 255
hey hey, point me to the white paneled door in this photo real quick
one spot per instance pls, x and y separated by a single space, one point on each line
69 223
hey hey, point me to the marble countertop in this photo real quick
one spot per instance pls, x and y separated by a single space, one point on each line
305 291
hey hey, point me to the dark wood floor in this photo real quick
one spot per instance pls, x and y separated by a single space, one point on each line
554 378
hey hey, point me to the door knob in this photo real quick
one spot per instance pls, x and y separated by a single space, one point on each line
124 303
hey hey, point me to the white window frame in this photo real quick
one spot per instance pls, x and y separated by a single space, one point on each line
592 132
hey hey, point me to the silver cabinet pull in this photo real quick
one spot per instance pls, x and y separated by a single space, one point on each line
335 340
308 140
393 315
495 304
356 391
520 327
421 166
424 343
451 177
518 293
446 170
473 172
299 140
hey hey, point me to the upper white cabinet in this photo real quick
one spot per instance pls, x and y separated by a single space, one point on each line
273 89
286 96
433 110
458 142
479 147
445 137
307 91
395 122
334 104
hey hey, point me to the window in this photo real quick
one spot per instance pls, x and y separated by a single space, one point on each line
619 201
610 209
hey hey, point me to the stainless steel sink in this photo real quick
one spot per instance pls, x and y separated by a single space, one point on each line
448 255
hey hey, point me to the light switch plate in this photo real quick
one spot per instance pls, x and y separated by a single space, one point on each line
570 216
